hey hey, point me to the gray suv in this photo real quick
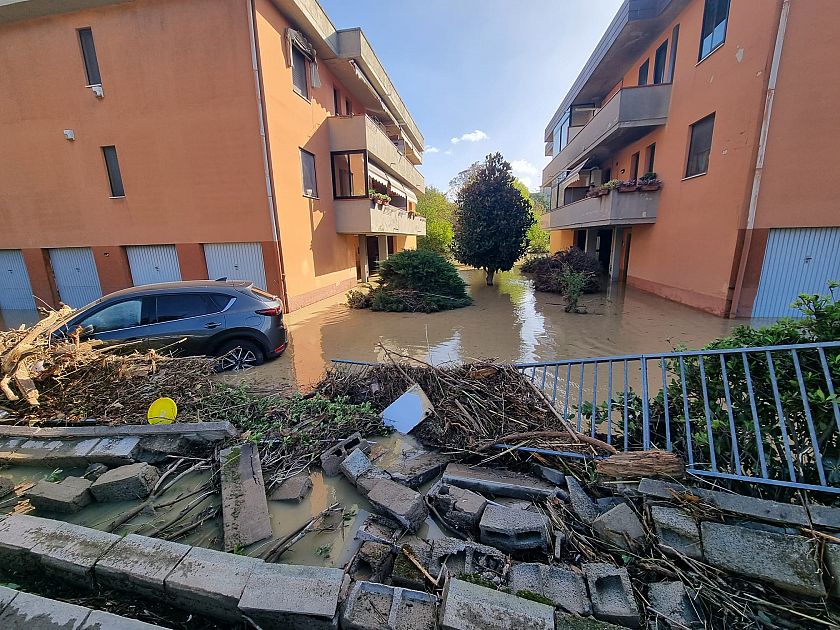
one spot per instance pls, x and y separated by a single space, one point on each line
230 319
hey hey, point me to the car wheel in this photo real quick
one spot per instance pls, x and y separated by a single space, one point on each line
239 354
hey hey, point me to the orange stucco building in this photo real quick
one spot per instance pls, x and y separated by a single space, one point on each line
153 140
731 103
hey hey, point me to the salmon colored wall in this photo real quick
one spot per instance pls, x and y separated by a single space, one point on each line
186 130
191 261
318 261
805 123
697 225
112 268
40 276
560 240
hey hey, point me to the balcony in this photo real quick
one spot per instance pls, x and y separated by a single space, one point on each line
613 209
351 133
362 216
629 115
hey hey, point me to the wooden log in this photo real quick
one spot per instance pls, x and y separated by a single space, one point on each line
11 358
639 464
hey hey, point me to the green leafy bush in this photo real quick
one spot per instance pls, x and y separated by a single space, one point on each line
438 237
573 283
548 270
415 280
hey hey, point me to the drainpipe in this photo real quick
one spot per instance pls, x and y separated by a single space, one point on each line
269 177
759 163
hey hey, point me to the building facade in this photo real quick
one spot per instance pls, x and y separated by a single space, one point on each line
729 104
157 140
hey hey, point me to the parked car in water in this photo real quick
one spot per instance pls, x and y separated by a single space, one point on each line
229 319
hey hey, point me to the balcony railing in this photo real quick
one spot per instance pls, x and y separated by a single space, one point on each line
629 115
351 133
363 216
615 208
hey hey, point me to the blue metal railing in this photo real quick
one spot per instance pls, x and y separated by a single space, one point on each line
766 415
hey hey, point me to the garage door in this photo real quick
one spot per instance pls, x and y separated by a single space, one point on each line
75 275
15 290
235 261
153 263
797 260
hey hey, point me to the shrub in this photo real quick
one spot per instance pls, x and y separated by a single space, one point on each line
417 280
357 298
573 282
548 270
438 237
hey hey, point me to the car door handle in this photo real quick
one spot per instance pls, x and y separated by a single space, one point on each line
212 325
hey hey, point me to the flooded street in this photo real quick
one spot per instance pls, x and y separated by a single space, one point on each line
509 322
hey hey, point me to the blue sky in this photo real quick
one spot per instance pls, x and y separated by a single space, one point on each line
489 73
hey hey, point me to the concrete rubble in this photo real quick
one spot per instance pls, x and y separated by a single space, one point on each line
611 594
497 482
467 606
513 530
7 486
373 606
671 602
403 504
677 531
621 527
416 468
67 496
565 588
134 481
295 489
244 505
461 508
463 557
331 458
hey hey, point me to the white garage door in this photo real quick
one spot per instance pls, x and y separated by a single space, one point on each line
75 275
15 289
797 260
235 261
153 263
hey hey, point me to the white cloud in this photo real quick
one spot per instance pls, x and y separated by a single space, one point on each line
525 179
523 167
472 136
448 152
432 150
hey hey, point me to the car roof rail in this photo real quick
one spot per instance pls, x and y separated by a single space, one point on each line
222 279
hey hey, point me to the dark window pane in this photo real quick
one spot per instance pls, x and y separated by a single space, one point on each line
181 305
634 166
715 17
310 184
336 102
89 56
114 175
348 107
218 301
349 174
659 62
115 317
299 81
675 38
651 155
643 72
700 147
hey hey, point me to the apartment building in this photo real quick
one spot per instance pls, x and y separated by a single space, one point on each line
733 105
159 140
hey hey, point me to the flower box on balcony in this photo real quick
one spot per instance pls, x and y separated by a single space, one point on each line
602 192
628 186
650 187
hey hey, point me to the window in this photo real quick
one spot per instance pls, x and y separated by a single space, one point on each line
560 136
182 305
675 37
634 166
349 176
337 102
715 17
650 154
571 195
89 57
114 175
643 72
299 79
310 183
659 63
348 107
115 317
700 146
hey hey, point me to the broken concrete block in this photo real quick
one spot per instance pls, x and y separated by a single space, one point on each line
115 451
611 594
464 557
620 527
281 597
7 486
58 453
569 622
331 458
787 561
379 529
513 530
125 483
552 475
295 489
499 482
95 471
670 601
605 504
559 544
405 573
355 465
210 582
28 611
400 503
565 588
244 506
138 564
677 529
409 410
374 562
71 552
418 468
460 507
372 606
68 496
19 533
582 504
467 606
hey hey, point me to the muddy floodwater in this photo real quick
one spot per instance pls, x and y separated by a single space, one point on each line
509 321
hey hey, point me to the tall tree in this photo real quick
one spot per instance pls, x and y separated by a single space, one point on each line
438 211
539 240
491 219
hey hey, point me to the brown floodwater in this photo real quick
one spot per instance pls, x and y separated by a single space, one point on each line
509 322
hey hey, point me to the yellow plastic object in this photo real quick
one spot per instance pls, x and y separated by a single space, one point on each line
162 411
